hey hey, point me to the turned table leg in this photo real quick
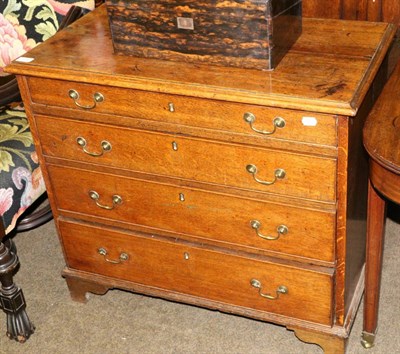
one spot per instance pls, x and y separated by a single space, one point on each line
373 267
12 300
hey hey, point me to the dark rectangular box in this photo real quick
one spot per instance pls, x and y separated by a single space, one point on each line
241 33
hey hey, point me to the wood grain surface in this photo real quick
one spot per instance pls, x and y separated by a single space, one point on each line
313 76
182 175
246 33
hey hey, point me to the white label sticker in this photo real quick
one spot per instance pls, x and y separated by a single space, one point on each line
309 121
24 59
185 23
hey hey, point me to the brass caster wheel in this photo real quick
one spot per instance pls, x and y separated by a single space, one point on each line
367 340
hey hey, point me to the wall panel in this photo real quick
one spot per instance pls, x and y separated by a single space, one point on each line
322 8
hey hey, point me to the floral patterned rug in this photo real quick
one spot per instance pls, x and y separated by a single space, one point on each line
21 180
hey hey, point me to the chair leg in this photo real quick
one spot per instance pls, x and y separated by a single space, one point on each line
12 300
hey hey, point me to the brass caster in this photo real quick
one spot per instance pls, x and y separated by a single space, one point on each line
367 340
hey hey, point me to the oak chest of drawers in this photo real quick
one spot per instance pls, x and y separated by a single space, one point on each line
233 189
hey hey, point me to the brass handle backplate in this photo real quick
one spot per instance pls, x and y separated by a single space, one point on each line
281 229
122 257
116 200
282 289
74 95
279 174
105 146
278 122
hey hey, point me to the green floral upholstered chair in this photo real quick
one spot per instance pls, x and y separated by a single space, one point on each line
23 25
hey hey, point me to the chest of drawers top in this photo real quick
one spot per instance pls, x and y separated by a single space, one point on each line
328 70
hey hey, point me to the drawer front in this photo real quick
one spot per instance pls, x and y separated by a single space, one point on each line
195 112
231 221
233 165
199 272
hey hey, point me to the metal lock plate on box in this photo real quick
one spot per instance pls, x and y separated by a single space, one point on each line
185 23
